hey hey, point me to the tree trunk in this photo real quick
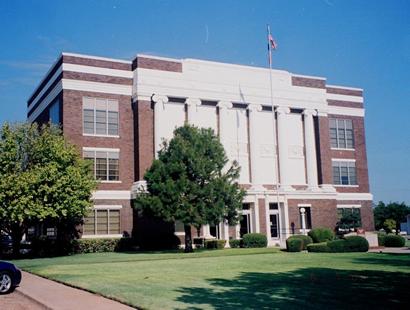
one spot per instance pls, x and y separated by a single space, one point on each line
188 239
16 235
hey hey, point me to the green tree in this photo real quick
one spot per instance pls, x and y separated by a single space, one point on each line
190 182
392 211
42 177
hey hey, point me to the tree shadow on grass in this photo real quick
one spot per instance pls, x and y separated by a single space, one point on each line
396 260
307 288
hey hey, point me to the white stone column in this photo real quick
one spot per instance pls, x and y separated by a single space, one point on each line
206 232
192 105
159 102
256 215
310 147
253 109
226 233
303 214
283 148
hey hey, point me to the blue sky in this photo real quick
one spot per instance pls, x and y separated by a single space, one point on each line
354 43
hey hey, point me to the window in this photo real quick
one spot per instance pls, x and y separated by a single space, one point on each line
105 164
349 217
341 133
103 221
245 222
100 117
344 173
54 112
308 218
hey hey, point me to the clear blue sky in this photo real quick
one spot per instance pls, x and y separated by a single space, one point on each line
354 43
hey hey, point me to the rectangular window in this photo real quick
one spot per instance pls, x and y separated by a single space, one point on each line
100 117
344 173
341 133
105 164
104 221
54 112
349 217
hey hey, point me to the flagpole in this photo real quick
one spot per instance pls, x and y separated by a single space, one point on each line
276 159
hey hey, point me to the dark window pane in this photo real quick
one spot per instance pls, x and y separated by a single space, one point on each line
101 169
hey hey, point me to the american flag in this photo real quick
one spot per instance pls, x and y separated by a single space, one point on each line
271 46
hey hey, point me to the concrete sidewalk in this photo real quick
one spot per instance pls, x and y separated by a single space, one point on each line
404 250
55 296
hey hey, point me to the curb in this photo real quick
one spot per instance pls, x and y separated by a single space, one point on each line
36 301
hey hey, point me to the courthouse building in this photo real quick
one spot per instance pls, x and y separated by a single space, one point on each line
303 163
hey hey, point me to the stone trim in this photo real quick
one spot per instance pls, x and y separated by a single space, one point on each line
346 104
96 78
344 91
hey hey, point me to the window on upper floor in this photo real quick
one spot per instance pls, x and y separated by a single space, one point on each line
105 164
344 173
341 133
100 117
54 112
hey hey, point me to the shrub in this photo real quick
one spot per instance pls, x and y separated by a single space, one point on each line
394 241
305 240
215 244
294 244
125 244
356 244
318 247
235 243
254 240
336 246
319 235
199 242
381 238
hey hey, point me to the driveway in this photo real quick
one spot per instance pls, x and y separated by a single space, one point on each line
18 301
47 294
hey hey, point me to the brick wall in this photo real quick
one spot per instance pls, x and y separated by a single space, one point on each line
366 212
73 131
126 213
323 212
144 137
359 154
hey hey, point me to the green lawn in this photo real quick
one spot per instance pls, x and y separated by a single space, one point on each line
237 279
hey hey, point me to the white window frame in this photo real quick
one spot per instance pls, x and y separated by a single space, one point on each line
346 160
108 150
108 208
337 134
106 117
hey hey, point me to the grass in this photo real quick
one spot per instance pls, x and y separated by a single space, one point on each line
237 279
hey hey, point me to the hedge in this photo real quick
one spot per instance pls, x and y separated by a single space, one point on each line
319 235
394 241
235 243
349 244
254 240
356 244
304 239
318 247
215 244
381 238
336 246
99 245
294 244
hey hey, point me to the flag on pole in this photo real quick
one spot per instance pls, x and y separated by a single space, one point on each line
271 45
